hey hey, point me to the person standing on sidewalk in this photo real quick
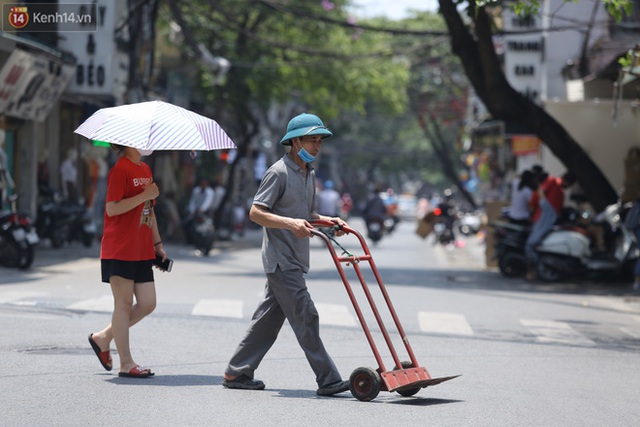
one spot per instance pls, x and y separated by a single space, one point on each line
130 243
284 204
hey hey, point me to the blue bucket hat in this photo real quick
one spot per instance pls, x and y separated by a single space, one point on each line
303 125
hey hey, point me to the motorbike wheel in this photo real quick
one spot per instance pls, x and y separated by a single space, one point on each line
374 231
204 249
446 238
512 264
26 258
546 271
10 253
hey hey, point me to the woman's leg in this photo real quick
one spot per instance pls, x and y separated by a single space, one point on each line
122 290
145 294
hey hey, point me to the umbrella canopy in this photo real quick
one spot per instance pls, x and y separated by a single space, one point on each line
155 125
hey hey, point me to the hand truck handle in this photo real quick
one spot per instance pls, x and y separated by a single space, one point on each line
318 223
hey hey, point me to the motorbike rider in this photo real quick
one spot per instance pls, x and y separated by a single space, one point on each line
200 203
201 199
521 193
448 212
391 202
329 201
373 209
547 204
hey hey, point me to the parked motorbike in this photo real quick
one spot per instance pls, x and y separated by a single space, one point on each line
200 232
469 223
18 238
63 221
509 242
568 251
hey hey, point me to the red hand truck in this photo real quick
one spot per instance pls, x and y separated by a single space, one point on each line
407 377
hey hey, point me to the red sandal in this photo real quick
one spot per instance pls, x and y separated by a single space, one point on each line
103 356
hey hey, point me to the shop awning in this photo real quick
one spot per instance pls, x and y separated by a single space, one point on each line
33 77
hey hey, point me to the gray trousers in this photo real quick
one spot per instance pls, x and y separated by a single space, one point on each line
286 296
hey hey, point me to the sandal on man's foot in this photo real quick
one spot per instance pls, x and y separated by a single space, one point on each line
243 382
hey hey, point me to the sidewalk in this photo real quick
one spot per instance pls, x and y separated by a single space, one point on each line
47 256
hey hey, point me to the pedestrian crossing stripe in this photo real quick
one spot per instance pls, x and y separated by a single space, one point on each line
633 332
335 314
549 331
219 308
100 304
612 302
11 296
545 331
444 323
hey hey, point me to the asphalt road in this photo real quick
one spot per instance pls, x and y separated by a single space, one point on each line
529 354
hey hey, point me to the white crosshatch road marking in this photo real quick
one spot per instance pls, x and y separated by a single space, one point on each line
16 296
219 308
550 331
102 304
633 331
335 314
444 323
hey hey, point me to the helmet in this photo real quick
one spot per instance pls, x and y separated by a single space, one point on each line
305 124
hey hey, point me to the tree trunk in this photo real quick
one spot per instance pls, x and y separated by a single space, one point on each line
482 68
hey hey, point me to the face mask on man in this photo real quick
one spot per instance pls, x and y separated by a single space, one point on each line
305 156
144 152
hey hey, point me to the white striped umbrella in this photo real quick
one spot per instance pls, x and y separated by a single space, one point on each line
155 125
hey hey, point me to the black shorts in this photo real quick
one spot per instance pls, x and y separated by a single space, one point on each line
138 271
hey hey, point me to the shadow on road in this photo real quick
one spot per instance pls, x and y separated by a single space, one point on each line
186 380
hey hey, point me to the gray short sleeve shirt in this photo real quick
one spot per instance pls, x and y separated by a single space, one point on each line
287 190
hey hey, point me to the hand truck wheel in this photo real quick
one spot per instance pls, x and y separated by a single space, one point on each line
365 384
409 391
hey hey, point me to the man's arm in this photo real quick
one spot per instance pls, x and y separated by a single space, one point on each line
263 216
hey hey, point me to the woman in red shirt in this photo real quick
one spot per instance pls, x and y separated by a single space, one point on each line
130 243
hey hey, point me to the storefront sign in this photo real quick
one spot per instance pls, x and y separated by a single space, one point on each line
31 84
98 60
522 145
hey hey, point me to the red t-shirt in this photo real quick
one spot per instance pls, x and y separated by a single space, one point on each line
125 236
553 192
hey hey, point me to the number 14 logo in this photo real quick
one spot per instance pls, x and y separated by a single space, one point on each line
18 17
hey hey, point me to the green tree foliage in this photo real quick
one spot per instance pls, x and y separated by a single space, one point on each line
304 56
277 56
